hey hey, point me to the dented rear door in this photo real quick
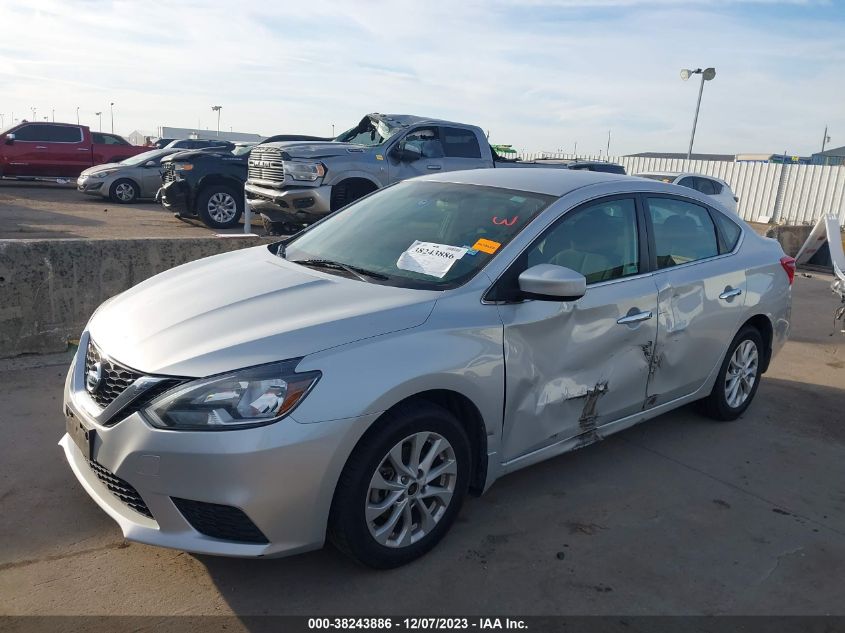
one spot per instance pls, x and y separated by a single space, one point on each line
701 298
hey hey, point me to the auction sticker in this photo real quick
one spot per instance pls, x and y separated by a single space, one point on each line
429 258
486 246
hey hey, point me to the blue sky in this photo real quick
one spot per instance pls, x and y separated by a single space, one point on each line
540 74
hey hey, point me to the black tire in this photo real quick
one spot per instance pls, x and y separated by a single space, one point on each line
716 405
346 192
123 191
348 526
222 191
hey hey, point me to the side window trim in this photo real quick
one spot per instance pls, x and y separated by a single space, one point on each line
720 236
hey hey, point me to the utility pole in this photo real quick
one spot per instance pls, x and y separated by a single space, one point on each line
608 144
34 118
575 151
217 109
53 113
825 138
77 115
100 115
111 108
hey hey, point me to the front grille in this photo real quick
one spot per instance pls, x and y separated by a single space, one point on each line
218 521
120 489
115 377
266 163
169 173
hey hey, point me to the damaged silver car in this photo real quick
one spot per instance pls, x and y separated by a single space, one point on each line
356 381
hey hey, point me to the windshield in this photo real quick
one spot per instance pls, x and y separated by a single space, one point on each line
368 132
240 150
139 159
425 235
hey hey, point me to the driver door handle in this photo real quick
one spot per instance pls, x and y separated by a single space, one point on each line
635 318
730 293
434 166
40 147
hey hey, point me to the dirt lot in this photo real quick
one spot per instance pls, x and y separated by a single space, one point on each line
40 210
680 515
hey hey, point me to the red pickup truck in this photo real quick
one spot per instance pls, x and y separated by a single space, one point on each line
58 150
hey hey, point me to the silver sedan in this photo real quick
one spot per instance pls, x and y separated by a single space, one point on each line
358 380
127 181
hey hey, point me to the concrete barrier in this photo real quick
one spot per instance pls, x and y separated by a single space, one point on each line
49 288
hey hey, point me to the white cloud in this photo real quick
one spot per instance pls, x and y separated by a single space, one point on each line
540 74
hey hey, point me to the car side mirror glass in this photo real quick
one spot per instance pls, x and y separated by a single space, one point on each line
10 138
547 282
150 163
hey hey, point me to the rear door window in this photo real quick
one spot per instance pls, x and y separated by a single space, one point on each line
683 232
460 143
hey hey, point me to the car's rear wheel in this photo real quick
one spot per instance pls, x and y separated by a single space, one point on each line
123 191
220 207
402 488
739 376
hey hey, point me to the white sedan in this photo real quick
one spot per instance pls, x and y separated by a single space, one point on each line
708 185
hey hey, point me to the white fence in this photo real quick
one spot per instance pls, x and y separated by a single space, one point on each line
788 194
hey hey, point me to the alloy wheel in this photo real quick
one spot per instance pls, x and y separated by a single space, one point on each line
741 374
124 191
411 489
222 207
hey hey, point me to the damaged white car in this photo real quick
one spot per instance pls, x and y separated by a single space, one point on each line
358 380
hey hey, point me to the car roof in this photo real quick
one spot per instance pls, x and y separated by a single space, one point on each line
548 181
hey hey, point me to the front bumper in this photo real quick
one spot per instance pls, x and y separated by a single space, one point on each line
175 195
281 476
307 203
92 186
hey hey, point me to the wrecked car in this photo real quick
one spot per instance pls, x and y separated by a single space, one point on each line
413 348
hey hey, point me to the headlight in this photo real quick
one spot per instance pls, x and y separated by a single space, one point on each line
304 171
183 166
101 174
247 397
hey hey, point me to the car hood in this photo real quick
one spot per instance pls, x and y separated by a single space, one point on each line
246 308
104 167
310 149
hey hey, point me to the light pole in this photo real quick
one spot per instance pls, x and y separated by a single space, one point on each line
111 109
706 75
77 115
34 118
2 121
100 114
53 114
217 109
825 138
333 131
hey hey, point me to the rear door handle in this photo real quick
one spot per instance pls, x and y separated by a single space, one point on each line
730 293
635 318
434 166
40 147
81 149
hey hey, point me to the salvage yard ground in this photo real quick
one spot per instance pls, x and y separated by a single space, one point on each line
41 210
680 515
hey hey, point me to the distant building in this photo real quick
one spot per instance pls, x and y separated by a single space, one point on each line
772 158
835 156
186 132
139 138
682 156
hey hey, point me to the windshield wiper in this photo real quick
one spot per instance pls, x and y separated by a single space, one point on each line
360 273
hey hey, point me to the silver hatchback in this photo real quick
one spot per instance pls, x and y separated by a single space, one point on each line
356 381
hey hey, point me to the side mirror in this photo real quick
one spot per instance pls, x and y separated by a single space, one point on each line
10 138
548 282
150 163
407 153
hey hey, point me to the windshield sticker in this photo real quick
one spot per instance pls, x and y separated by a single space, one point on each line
518 199
505 221
429 258
470 251
486 246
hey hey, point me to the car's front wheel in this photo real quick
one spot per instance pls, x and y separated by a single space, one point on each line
220 207
402 488
739 376
123 191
